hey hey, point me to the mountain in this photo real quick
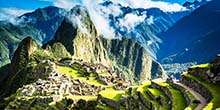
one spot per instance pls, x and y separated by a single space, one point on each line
29 64
194 38
195 4
41 24
76 50
80 37
144 26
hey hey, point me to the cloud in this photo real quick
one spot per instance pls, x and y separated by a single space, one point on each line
76 21
112 22
150 20
165 6
100 18
11 13
66 4
131 20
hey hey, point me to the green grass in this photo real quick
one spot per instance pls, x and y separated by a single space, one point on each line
87 98
102 107
74 73
53 104
158 93
112 93
201 66
214 89
143 88
179 102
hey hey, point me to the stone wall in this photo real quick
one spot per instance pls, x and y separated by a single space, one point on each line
109 102
156 98
85 105
197 87
144 101
165 90
201 72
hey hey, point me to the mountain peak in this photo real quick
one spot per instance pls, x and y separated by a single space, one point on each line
195 4
21 55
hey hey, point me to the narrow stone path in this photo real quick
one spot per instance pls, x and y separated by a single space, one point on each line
196 95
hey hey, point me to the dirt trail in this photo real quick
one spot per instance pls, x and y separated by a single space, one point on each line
196 95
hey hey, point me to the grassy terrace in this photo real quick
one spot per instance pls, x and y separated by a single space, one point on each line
201 66
87 98
53 104
142 89
145 87
112 93
158 93
74 73
214 89
102 107
179 102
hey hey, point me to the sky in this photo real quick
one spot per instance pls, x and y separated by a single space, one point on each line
34 4
13 8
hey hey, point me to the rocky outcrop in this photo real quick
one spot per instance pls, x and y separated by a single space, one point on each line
210 73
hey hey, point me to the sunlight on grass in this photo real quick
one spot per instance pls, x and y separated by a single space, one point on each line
158 93
88 98
163 84
201 66
112 93
102 107
179 102
209 106
143 88
155 92
74 73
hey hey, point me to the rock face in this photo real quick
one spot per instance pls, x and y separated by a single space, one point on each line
82 40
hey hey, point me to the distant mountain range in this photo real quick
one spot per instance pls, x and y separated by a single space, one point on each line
194 38
41 24
195 4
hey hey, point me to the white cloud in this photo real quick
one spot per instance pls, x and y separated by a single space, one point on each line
165 6
66 4
99 18
77 22
150 20
11 13
131 20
